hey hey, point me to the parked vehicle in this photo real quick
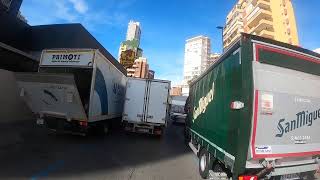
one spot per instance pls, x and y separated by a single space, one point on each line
177 112
146 107
75 90
255 113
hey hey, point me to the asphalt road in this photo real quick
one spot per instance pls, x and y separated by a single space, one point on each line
29 152
34 154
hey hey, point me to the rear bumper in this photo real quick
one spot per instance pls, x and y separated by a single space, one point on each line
63 126
286 166
294 169
147 128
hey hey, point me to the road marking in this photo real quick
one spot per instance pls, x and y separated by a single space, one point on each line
53 167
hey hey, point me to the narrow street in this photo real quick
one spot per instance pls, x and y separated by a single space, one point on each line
39 155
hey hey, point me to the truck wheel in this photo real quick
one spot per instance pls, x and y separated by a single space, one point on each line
205 163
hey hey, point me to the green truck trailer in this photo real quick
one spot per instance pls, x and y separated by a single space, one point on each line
255 113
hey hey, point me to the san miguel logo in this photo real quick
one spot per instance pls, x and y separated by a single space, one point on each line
304 118
203 103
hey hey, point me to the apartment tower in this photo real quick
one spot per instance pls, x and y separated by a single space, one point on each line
134 31
274 19
197 52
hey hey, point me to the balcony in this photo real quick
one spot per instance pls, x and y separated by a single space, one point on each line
267 34
255 1
263 24
236 27
234 38
237 20
263 4
256 15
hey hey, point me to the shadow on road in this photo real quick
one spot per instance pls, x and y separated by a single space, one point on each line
29 152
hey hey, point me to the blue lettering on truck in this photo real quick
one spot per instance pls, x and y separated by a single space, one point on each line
101 88
304 118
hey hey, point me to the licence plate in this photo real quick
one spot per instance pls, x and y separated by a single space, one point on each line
144 130
289 177
40 121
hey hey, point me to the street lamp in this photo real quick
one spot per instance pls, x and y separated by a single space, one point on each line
221 28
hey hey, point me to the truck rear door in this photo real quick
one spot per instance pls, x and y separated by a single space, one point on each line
286 119
135 100
54 95
157 102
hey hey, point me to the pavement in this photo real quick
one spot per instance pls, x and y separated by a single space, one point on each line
35 154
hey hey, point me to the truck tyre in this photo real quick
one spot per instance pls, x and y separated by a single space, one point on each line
205 163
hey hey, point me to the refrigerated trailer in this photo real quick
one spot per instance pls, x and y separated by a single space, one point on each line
146 107
75 90
255 113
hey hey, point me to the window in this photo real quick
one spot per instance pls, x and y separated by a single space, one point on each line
288 31
285 12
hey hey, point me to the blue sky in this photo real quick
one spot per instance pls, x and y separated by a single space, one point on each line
166 24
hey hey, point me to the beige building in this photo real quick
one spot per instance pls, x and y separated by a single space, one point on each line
272 19
176 91
140 68
213 58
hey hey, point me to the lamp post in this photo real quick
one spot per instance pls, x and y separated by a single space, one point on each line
221 28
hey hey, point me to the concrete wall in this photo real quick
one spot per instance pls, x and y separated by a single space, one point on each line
14 32
12 108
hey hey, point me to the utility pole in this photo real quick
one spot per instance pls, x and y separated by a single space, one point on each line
221 28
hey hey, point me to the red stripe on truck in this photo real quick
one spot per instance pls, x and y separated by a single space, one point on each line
285 52
253 141
255 118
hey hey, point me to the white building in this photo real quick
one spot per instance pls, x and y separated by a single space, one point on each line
196 59
134 31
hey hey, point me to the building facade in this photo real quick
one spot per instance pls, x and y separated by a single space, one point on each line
197 52
140 68
134 31
132 41
176 91
213 58
274 19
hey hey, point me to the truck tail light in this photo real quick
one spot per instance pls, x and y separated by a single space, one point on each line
83 123
248 177
237 105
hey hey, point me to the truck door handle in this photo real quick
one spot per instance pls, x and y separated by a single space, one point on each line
149 116
139 115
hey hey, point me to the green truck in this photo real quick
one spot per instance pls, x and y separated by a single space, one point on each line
255 113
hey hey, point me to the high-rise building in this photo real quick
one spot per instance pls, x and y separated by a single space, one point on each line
127 58
197 51
274 19
134 31
132 41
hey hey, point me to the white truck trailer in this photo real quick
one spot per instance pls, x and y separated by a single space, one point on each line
146 107
75 90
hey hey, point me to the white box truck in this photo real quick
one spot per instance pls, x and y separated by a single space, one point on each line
75 90
146 107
